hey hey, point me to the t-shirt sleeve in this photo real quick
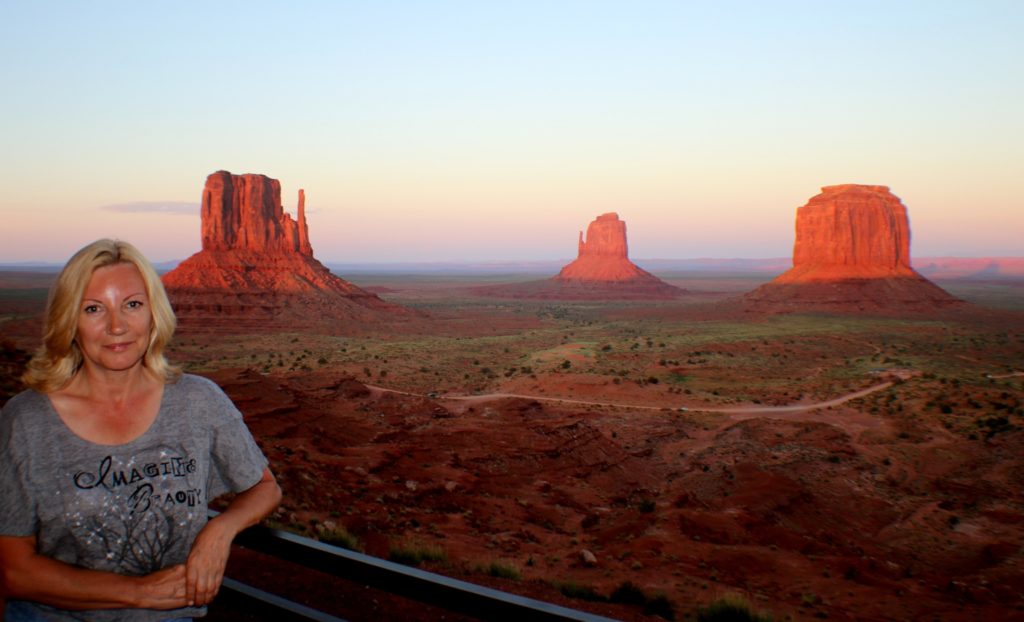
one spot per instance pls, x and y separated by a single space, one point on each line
236 462
18 516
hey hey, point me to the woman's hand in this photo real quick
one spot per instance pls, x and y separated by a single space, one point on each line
204 569
26 575
163 589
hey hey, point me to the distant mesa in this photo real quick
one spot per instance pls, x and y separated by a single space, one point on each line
256 268
972 268
852 253
601 271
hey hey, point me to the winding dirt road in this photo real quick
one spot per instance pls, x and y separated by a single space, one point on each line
734 410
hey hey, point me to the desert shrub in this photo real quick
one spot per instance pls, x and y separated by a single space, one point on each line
730 608
660 606
995 425
503 571
629 594
414 555
580 592
809 599
339 536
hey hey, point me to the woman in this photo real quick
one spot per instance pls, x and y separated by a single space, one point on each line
108 461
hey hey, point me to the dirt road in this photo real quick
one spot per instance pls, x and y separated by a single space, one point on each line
733 410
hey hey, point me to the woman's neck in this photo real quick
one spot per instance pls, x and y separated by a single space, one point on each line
114 387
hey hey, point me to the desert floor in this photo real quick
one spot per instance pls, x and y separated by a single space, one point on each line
819 466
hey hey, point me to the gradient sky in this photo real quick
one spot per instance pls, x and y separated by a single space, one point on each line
476 131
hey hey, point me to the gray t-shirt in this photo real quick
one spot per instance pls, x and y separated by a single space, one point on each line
131 508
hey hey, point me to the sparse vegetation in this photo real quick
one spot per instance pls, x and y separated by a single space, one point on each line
416 554
503 570
516 474
571 589
731 608
339 536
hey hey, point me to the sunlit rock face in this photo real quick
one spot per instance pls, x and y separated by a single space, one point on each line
601 271
851 231
604 254
603 257
244 212
852 253
256 268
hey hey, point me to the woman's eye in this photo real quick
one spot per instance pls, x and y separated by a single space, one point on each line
134 304
91 309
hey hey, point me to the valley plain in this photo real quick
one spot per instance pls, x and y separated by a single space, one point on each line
666 453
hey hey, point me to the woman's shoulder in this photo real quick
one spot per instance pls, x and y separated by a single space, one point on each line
198 391
192 382
28 400
28 403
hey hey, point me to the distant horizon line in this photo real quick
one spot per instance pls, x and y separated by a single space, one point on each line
170 263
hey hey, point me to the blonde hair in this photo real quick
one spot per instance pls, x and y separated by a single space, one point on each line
59 358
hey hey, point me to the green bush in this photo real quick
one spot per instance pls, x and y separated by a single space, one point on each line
660 606
416 555
581 592
628 593
730 608
339 536
503 571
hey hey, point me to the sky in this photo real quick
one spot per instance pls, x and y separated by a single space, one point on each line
496 131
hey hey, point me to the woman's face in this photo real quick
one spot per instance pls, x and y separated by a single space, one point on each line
114 318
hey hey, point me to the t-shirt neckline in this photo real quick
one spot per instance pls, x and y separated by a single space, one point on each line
63 426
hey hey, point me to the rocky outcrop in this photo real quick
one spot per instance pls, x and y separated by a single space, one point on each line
256 268
851 231
852 253
601 271
606 237
244 213
604 254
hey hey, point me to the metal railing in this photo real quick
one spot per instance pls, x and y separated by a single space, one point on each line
413 583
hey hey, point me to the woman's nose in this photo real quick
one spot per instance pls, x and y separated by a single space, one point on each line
116 324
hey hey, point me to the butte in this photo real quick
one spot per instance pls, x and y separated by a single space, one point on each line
601 271
852 254
256 269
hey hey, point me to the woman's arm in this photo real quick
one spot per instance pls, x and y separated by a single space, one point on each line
209 555
26 575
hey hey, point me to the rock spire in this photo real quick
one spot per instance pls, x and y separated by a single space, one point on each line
601 271
256 268
604 256
244 212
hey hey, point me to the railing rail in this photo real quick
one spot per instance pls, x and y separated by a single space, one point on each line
235 594
413 583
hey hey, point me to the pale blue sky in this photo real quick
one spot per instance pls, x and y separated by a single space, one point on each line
490 131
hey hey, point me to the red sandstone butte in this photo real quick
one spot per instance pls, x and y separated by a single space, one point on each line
602 270
604 255
256 268
852 253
